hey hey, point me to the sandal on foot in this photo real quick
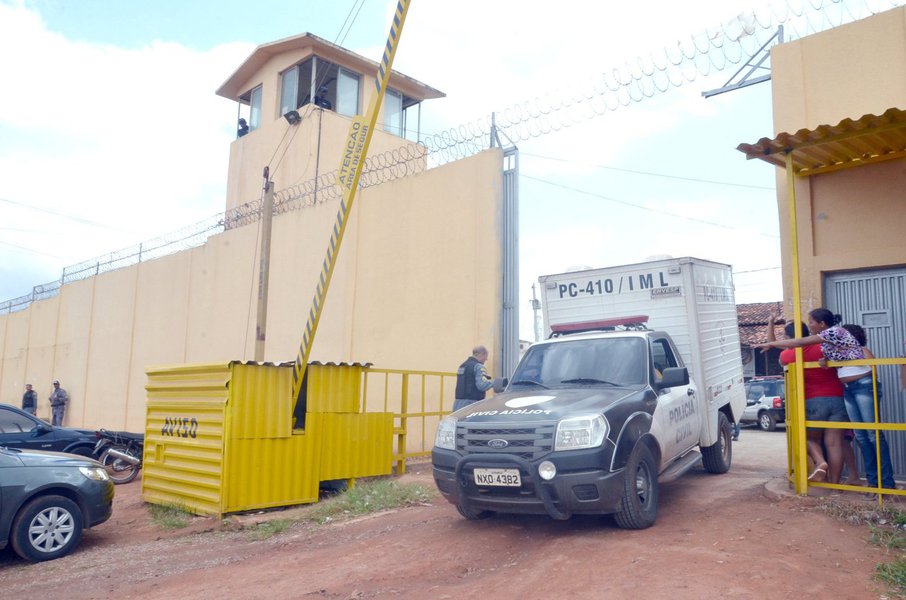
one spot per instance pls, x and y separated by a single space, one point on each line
819 474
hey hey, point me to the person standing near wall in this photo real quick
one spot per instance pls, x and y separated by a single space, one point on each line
58 401
30 400
472 379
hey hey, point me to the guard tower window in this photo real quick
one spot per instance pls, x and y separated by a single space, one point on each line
399 113
320 82
250 108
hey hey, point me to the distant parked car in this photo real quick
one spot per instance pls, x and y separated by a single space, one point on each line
47 499
18 429
765 402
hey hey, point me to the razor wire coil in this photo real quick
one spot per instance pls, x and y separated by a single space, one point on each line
631 82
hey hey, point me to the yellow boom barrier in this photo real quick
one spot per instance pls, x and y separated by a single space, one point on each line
353 157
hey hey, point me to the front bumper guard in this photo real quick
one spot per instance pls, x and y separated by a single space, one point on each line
542 491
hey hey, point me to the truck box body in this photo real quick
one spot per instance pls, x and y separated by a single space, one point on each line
689 298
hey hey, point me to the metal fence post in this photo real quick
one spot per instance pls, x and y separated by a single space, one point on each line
401 440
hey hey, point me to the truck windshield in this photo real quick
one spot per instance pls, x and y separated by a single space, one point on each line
596 362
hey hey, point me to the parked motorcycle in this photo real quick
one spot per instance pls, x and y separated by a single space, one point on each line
121 454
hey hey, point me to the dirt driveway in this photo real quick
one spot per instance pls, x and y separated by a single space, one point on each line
718 536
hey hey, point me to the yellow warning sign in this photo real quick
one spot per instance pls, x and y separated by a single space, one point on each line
353 152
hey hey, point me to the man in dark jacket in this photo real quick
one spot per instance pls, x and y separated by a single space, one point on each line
30 400
472 379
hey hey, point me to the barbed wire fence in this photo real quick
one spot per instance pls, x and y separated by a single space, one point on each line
682 62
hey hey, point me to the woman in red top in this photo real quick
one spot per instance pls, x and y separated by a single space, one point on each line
823 402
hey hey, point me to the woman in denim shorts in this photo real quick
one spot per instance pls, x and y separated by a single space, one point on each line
823 397
823 402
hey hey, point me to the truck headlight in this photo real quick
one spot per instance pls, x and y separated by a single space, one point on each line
446 434
581 432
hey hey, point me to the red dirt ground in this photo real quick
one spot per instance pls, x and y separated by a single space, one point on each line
716 537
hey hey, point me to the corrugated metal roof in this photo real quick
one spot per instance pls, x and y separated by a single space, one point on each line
870 139
290 363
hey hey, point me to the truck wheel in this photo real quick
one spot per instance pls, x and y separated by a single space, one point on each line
717 457
766 421
48 527
638 508
473 515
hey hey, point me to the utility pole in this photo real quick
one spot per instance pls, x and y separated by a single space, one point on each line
267 214
536 306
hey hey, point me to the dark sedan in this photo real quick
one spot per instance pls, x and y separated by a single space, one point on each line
18 429
47 499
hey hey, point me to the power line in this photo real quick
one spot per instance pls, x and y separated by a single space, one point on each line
649 173
361 4
30 250
20 230
756 270
639 206
62 214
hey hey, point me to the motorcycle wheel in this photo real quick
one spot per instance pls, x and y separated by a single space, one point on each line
119 470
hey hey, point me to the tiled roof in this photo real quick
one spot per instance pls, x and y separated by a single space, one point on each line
753 318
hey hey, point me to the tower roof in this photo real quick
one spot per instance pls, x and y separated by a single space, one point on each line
311 44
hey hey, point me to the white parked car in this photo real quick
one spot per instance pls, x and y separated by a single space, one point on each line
765 402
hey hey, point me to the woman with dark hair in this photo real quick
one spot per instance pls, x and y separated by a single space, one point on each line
823 392
836 342
860 405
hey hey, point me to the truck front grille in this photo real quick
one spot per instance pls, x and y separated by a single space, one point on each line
529 440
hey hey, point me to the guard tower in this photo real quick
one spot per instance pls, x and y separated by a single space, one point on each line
297 97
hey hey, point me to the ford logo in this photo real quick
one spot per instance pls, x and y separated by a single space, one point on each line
498 443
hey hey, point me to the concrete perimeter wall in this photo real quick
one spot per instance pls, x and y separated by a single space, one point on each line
417 284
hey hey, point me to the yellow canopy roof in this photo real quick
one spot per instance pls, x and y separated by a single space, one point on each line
849 143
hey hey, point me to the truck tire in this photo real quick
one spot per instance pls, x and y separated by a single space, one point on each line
638 508
717 457
766 421
473 515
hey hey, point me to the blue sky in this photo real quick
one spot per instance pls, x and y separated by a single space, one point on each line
101 87
199 24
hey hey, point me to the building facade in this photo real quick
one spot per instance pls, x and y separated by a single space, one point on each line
839 101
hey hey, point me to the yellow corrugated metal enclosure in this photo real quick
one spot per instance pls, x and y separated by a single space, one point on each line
222 438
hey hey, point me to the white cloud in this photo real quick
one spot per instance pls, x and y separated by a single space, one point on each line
136 138
132 138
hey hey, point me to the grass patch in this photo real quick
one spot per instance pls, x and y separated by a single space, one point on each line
894 575
269 529
890 515
369 497
891 538
887 529
169 516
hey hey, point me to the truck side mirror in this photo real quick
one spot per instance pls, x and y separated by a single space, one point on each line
674 377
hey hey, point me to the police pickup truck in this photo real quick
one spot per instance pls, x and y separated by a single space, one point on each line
590 422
